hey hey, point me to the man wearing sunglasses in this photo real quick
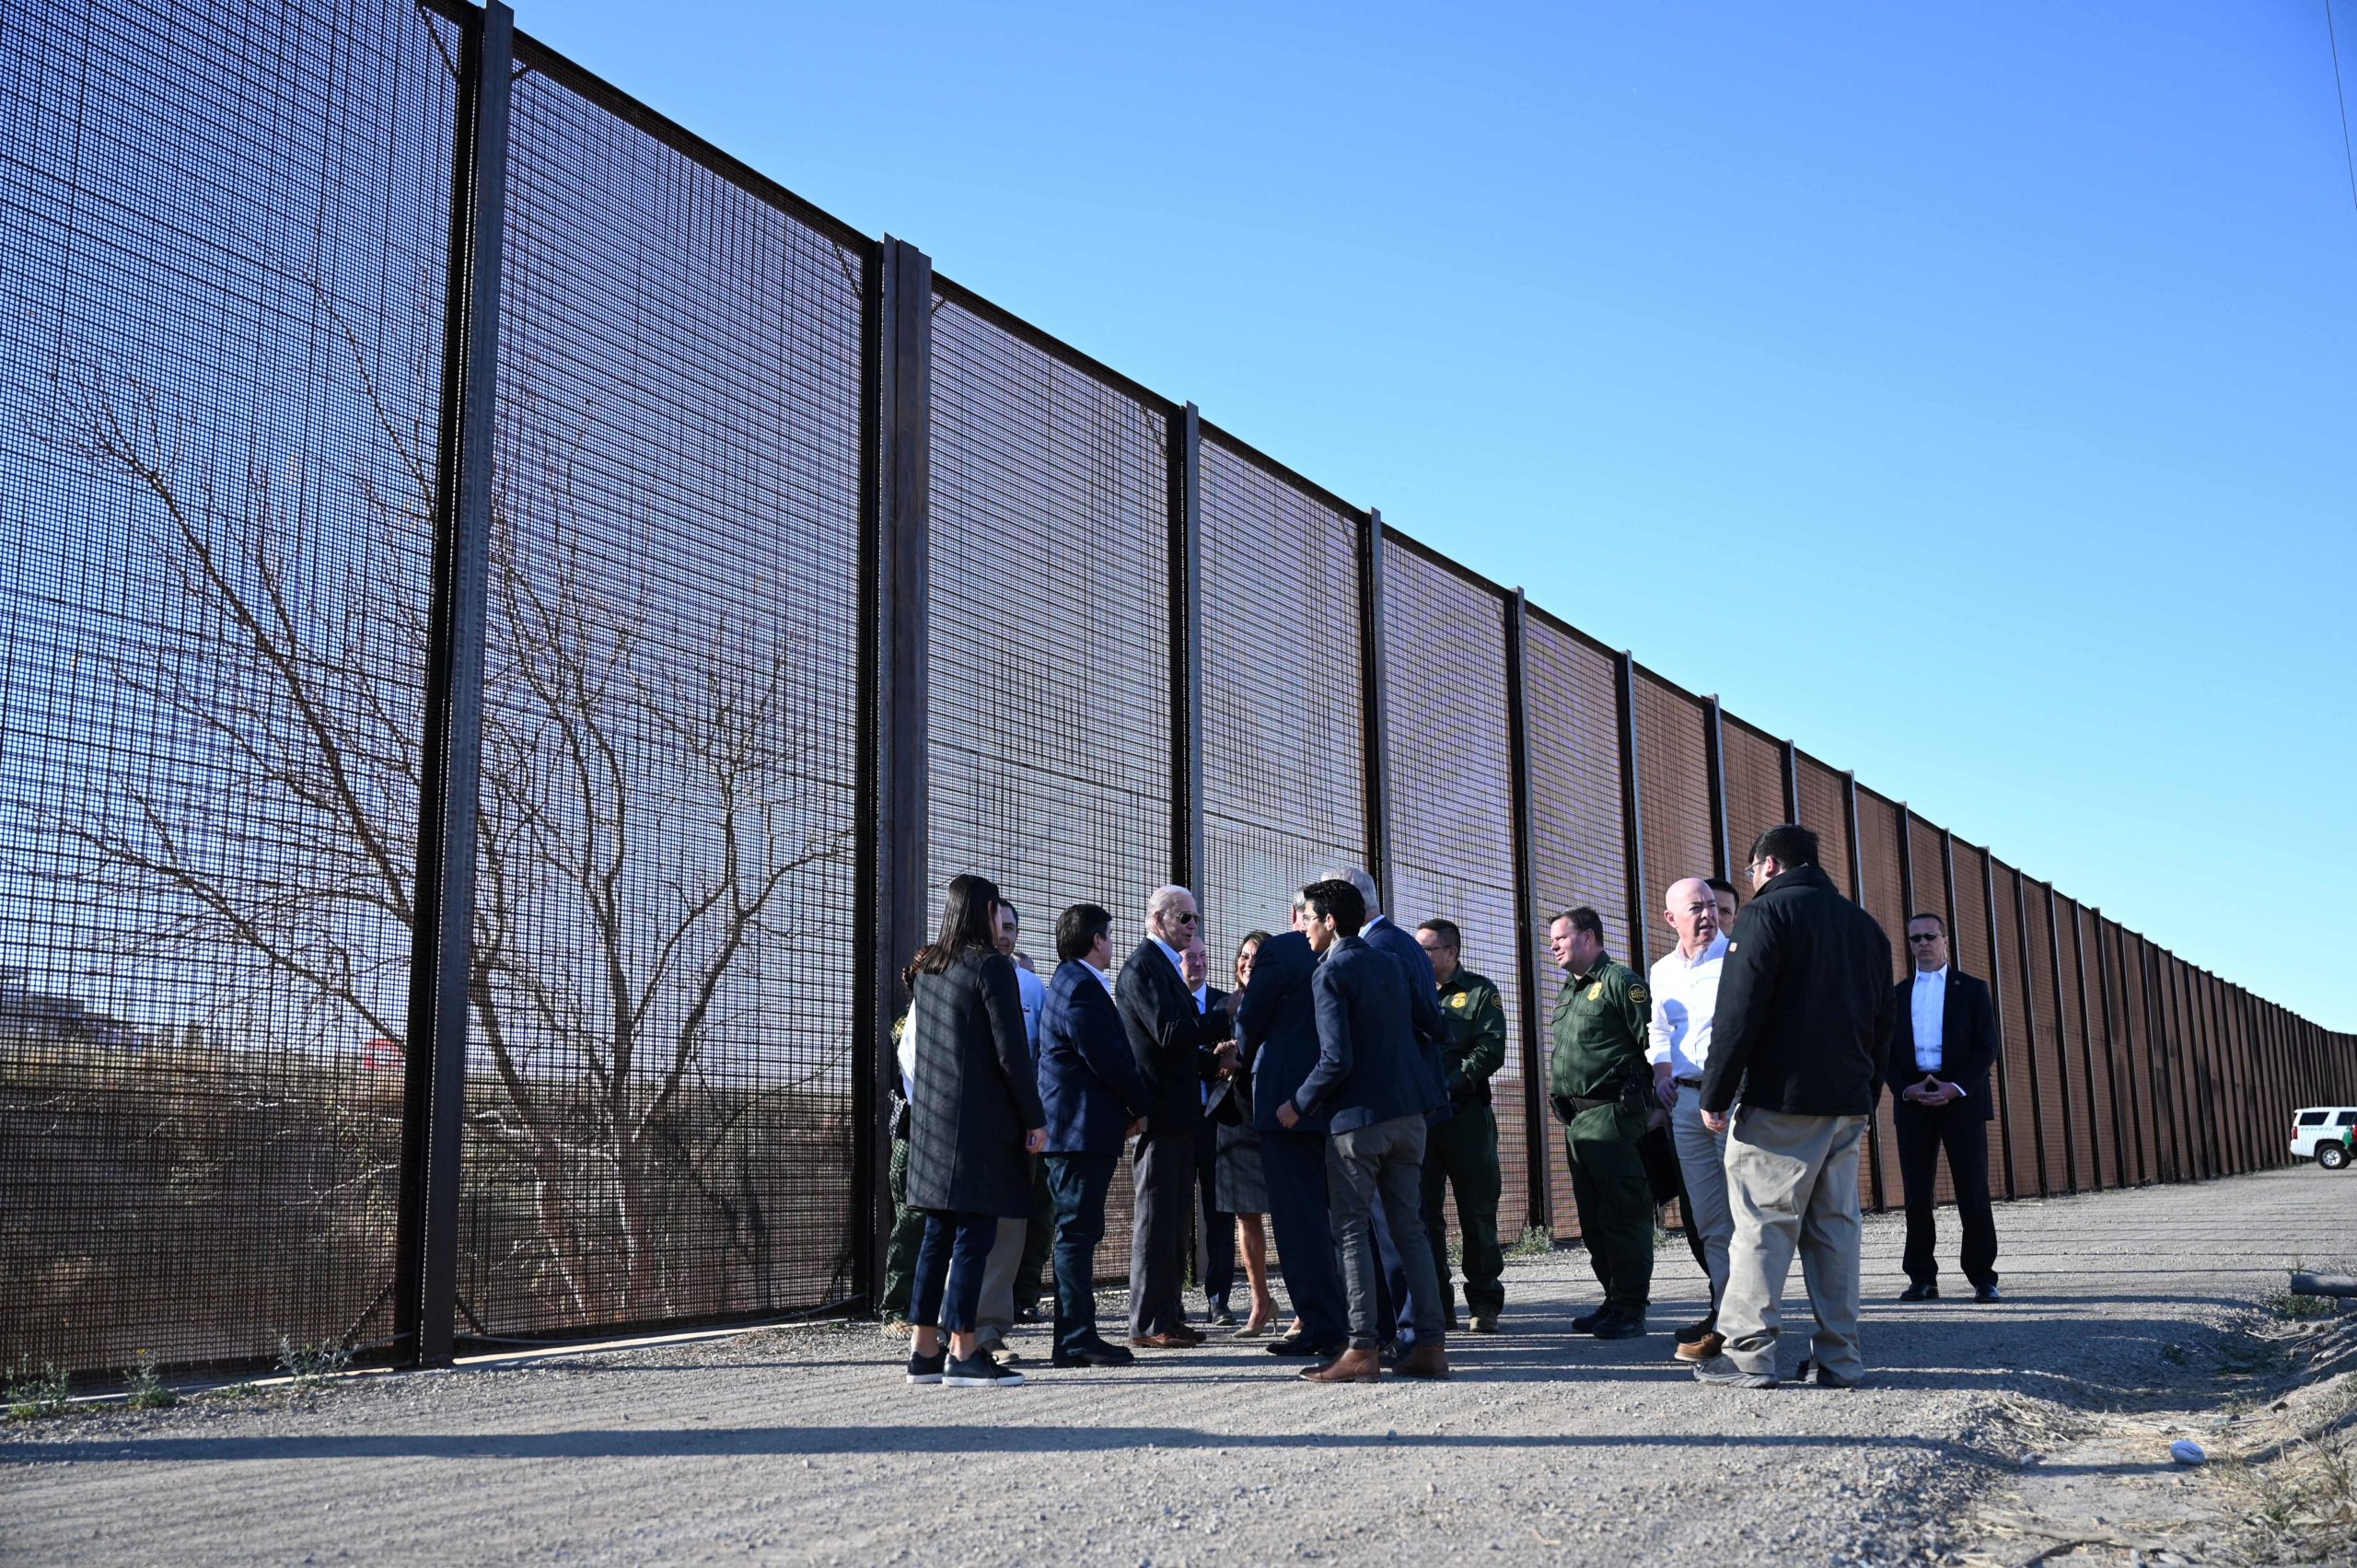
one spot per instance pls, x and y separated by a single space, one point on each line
1942 1043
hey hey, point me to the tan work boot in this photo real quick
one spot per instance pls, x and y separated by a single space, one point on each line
1426 1359
1703 1348
1351 1366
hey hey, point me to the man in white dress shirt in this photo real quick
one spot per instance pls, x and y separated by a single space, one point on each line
1686 992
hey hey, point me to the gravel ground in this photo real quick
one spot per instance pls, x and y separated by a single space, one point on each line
805 1446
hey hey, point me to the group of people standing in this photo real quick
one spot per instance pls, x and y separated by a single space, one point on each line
1342 1090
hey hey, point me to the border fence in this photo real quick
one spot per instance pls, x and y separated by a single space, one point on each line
515 614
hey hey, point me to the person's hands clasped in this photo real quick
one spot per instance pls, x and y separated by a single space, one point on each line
1715 1120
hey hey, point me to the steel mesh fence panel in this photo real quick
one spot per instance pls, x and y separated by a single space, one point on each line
1050 752
1674 785
659 1089
2132 1090
1878 841
1824 813
2023 1104
1578 835
2052 1081
1281 779
2083 1031
221 279
1754 768
1452 804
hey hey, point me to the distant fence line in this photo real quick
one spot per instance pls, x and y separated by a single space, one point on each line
515 616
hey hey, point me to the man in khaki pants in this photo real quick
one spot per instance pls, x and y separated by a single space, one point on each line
1805 1008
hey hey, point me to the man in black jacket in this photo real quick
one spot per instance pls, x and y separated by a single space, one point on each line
1172 1040
1804 1016
1942 1047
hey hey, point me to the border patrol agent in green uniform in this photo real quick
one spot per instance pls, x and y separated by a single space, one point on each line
1462 1149
1602 1091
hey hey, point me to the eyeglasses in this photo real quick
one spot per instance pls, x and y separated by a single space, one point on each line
1923 936
1186 919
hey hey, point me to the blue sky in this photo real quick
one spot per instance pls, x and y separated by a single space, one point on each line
1964 391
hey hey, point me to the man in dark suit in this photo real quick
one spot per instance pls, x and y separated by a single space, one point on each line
1095 1098
1385 936
1373 1088
1276 1025
1173 1042
1942 1044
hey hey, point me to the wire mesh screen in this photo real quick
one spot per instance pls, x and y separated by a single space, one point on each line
1452 804
1825 813
1049 657
1579 845
2053 1083
1755 778
220 277
2134 1090
2090 1108
1878 830
1673 784
1283 798
659 1088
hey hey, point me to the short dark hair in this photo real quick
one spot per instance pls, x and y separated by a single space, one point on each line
1011 910
1788 844
1078 928
1450 937
1583 918
1939 921
1337 901
1721 885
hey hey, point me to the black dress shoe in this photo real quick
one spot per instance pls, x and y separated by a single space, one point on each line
1299 1345
1616 1325
1586 1321
1920 1292
1394 1351
1028 1314
1987 1292
1097 1354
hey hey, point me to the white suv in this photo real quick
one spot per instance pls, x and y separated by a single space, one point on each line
2323 1133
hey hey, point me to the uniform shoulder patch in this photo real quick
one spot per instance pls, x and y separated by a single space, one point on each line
1636 994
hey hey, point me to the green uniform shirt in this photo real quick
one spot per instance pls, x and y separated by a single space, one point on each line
1599 1031
1476 1046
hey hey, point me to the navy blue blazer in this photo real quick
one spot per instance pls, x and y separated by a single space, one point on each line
1368 1068
1277 1026
1089 1081
1423 1001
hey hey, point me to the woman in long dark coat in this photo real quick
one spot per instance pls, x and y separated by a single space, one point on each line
975 1119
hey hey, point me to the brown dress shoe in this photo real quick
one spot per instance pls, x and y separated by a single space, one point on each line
1425 1360
1190 1333
1351 1366
1163 1341
1703 1348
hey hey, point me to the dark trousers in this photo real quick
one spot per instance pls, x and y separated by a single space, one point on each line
947 1292
1385 1158
908 1234
1615 1202
1077 1184
1922 1134
1217 1254
1165 1177
1036 1238
1294 1164
1462 1152
1395 1302
1666 1176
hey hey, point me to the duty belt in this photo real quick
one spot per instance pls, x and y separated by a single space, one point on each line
1581 1102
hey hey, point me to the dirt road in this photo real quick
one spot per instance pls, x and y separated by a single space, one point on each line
805 1446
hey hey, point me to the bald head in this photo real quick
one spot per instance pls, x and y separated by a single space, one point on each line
1692 911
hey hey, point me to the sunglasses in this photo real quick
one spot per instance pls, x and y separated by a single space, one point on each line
1923 936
